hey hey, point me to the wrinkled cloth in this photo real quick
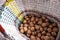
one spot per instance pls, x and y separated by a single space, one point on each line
2 37
2 2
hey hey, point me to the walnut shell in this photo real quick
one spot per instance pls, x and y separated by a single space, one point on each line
41 29
25 29
46 20
33 37
32 19
22 30
48 34
31 24
52 38
50 26
55 29
42 37
39 22
44 24
37 27
54 24
37 38
29 32
25 25
49 30
32 28
43 17
29 27
28 35
27 19
47 38
53 34
39 35
45 29
33 33
36 19
21 25
43 33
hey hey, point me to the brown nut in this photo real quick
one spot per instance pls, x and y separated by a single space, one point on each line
45 29
47 38
50 26
33 37
41 29
29 32
36 19
32 28
49 30
46 20
55 29
42 37
21 25
33 33
30 16
29 27
39 35
44 24
25 29
25 25
32 19
34 22
22 30
31 24
48 34
52 38
39 22
37 31
37 38
43 17
27 19
47 23
37 27
43 33
28 35
53 34
54 24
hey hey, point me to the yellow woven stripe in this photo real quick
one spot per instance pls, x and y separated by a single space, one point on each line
14 9
7 2
20 17
15 5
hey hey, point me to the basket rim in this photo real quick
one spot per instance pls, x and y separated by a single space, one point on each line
35 11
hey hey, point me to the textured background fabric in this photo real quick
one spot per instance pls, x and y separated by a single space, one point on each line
2 37
52 7
2 2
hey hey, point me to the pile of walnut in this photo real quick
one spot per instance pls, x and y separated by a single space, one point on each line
39 28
